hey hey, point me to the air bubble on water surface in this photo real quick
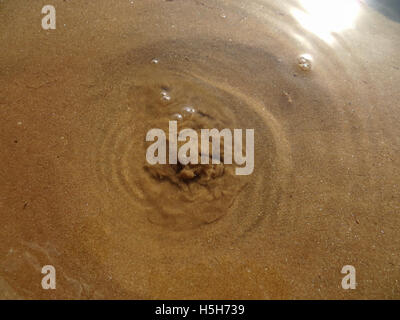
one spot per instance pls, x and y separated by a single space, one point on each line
305 62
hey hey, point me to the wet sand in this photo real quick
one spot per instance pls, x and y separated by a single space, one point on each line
75 191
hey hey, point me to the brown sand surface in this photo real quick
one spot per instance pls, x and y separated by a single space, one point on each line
76 193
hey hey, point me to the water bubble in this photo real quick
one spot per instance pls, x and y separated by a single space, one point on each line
304 62
177 116
165 96
188 110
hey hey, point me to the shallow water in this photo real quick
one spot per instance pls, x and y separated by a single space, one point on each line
318 86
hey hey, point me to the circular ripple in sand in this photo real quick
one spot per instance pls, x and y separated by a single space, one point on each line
167 202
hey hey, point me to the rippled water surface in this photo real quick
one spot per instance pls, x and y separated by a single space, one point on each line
317 82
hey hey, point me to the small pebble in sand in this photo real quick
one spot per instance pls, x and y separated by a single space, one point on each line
287 95
154 61
305 62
